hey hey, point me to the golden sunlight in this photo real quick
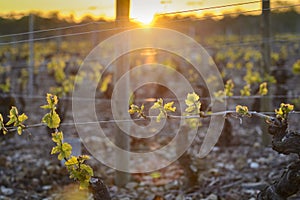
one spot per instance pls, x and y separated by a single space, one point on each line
144 11
144 19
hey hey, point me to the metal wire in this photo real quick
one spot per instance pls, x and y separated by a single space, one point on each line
170 117
64 35
128 27
47 30
69 98
208 8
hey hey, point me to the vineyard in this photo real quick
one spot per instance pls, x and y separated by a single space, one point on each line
39 78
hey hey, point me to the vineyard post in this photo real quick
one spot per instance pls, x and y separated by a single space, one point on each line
58 41
266 102
94 36
31 55
192 32
121 138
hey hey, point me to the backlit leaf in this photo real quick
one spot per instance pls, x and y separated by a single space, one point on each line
191 99
190 109
57 137
263 89
19 130
88 169
246 91
229 88
2 126
51 119
13 116
83 158
55 150
283 111
106 81
160 116
133 109
193 103
60 156
169 107
142 108
22 118
242 110
72 161
66 150
158 104
46 107
52 100
155 175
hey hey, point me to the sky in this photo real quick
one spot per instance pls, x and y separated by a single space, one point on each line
141 10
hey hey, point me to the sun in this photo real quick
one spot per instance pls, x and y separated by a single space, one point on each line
144 11
145 20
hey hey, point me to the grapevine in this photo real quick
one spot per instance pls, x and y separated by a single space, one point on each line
78 170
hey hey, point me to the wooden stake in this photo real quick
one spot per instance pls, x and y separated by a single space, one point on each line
266 102
121 138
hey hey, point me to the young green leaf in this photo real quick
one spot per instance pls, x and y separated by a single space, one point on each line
57 137
163 109
193 103
246 91
19 130
168 107
296 67
142 108
16 119
66 150
229 88
158 104
80 171
55 150
263 89
87 169
191 99
193 108
242 110
283 111
160 116
46 106
133 109
72 161
2 126
155 175
52 100
83 158
52 119
13 116
136 109
105 83
22 118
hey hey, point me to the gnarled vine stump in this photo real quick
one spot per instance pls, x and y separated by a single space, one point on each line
286 142
99 189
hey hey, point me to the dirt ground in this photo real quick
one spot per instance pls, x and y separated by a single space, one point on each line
236 171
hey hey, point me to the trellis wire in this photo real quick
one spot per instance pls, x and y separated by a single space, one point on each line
128 27
170 117
209 8
69 98
52 29
89 23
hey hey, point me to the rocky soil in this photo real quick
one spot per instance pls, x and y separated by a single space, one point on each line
237 171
